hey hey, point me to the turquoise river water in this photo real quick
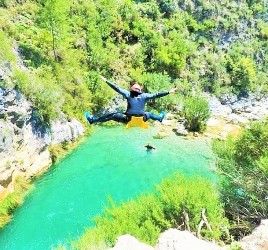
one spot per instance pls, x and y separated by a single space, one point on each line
111 162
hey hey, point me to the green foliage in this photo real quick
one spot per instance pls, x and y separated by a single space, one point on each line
47 80
254 141
150 10
101 93
12 200
152 83
236 246
192 195
3 3
53 15
148 215
7 59
67 43
42 95
242 74
196 111
6 54
168 7
172 54
258 7
59 151
242 163
263 29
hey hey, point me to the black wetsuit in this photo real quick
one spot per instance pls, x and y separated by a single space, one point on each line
149 147
135 105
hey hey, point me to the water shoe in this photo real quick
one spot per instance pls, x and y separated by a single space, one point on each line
89 117
162 116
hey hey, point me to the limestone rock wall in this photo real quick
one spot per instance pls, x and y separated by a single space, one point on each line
24 139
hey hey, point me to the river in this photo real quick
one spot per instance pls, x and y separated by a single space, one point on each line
111 162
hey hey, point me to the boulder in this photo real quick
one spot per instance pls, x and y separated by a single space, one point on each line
128 242
258 240
212 121
174 239
167 122
237 119
217 108
180 130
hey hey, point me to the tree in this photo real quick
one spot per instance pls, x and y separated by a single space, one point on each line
171 55
53 16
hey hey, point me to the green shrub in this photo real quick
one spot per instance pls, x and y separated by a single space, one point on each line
242 163
172 53
3 3
14 199
242 73
236 246
155 82
264 29
6 53
260 83
196 111
149 215
180 194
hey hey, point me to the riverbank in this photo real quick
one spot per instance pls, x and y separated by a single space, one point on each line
25 139
28 146
228 116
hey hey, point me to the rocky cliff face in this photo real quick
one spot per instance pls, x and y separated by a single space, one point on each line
24 140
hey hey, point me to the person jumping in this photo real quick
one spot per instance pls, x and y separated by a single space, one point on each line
136 101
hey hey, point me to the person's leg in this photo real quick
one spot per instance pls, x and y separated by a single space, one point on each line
154 117
118 117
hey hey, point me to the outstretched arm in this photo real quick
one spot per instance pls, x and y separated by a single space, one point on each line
160 94
115 87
